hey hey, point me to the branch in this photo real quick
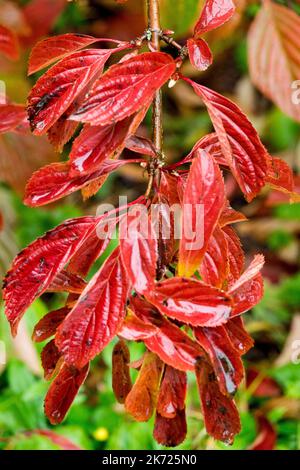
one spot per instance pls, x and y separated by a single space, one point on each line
154 26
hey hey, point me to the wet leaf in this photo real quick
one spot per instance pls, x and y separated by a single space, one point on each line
240 144
121 381
191 301
138 246
142 398
170 432
63 391
172 393
97 315
203 201
225 359
220 413
125 88
36 266
273 61
214 14
48 325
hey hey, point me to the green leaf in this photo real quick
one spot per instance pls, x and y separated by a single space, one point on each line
180 16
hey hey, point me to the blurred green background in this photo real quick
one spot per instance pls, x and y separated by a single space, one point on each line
272 389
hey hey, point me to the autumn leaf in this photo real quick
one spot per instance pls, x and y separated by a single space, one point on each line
125 88
172 392
199 53
240 144
48 325
36 266
214 14
50 50
274 64
97 315
215 264
54 92
121 381
191 301
170 343
141 400
248 290
12 116
138 247
224 358
220 413
203 201
9 45
63 391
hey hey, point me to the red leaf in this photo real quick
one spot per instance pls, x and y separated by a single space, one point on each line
142 398
48 325
169 188
54 48
225 359
96 144
12 116
138 248
134 329
67 282
262 386
215 266
50 357
126 88
239 337
267 436
97 242
97 315
58 87
9 45
274 63
203 201
171 344
121 381
200 54
41 15
172 392
61 132
53 182
236 257
253 269
280 176
214 14
62 392
36 266
241 146
141 145
170 432
230 216
92 248
221 416
247 291
191 301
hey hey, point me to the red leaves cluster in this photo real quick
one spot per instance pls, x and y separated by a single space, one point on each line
183 300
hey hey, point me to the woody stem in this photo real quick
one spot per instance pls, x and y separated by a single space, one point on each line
157 129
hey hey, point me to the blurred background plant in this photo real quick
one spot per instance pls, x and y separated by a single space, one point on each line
269 401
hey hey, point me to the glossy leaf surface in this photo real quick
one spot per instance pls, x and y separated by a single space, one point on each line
36 266
203 201
97 315
125 88
141 400
63 391
241 146
214 14
192 302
